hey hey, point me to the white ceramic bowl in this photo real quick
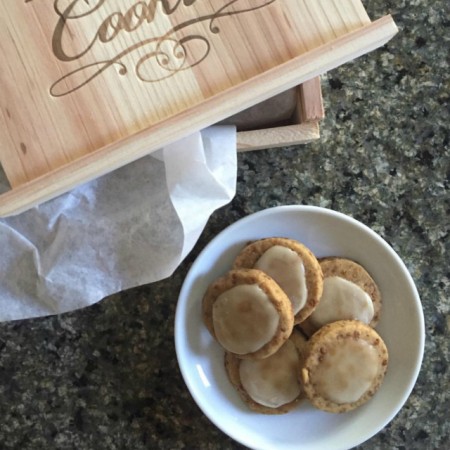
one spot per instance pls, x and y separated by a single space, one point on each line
326 233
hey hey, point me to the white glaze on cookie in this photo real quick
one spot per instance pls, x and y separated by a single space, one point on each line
347 371
272 381
341 299
286 267
244 319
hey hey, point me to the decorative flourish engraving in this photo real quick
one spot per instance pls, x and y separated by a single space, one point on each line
167 54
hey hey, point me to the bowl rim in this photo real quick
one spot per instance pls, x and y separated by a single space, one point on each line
184 297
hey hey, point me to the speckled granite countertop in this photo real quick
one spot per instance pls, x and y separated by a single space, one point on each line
106 377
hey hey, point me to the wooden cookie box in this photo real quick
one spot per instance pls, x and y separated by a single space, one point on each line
91 85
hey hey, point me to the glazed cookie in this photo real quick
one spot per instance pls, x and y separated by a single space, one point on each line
292 265
248 313
345 365
271 385
349 292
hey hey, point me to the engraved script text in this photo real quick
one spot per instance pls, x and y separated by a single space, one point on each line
169 53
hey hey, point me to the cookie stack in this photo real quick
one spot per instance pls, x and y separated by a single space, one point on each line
293 326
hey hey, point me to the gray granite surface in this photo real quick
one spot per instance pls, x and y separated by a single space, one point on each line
106 377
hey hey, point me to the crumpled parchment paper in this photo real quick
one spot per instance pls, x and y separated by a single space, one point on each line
131 227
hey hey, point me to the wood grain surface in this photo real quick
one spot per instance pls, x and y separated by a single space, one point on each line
90 85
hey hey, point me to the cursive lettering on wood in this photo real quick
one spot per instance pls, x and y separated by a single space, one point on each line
167 54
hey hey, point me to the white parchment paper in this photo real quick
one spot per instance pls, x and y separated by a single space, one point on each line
131 227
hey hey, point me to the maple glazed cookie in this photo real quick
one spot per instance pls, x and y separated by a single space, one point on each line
248 313
349 292
271 385
292 265
345 365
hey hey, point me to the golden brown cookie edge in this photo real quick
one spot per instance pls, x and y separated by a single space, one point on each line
275 294
330 334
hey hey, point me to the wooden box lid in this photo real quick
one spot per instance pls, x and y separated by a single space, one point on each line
90 85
